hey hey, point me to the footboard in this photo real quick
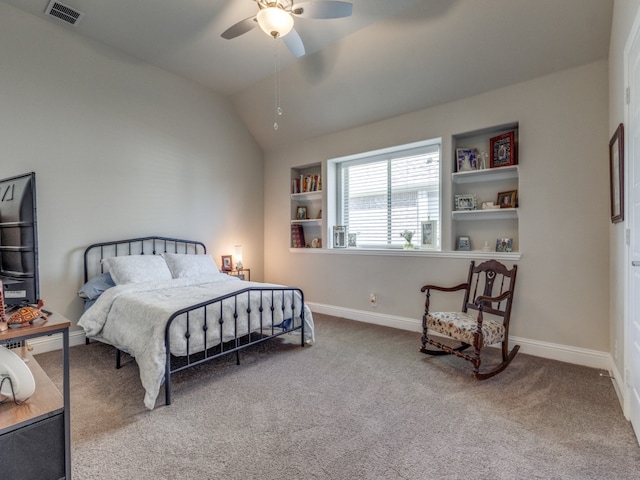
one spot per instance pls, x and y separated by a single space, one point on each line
229 323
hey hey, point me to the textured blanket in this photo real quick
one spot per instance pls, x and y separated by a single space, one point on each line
133 318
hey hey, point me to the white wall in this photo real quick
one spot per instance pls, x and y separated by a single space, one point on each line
120 149
562 294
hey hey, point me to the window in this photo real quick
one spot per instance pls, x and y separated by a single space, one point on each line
384 193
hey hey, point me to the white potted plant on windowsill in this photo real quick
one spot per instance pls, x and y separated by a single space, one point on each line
407 235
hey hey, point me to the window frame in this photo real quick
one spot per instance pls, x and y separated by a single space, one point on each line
387 154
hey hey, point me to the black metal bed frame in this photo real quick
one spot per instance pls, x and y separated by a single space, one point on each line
262 295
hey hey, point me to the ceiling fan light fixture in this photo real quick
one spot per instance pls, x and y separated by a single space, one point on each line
274 21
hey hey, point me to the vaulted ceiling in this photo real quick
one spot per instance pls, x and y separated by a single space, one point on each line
389 58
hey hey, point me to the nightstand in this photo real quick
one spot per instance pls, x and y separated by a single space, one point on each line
240 273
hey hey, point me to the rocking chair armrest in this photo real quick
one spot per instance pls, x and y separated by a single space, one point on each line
482 299
462 286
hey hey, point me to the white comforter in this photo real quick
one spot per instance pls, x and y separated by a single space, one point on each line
133 317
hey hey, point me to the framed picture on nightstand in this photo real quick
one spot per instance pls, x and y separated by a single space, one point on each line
227 263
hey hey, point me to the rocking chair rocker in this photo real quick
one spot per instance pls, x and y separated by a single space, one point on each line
474 330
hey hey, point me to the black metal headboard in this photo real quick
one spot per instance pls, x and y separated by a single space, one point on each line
94 254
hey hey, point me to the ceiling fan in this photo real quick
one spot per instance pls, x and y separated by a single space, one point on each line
276 17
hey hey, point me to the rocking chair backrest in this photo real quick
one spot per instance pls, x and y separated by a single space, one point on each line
3 317
491 279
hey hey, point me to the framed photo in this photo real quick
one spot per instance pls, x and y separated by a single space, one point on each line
616 174
464 244
227 263
428 239
466 202
466 159
503 150
339 237
301 213
504 245
508 199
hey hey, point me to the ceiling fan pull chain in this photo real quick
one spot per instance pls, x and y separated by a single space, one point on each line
276 62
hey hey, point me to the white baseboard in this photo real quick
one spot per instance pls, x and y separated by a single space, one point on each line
554 351
54 342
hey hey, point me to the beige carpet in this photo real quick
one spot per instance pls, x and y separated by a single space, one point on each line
362 403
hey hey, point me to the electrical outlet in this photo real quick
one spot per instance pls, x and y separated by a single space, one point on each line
373 300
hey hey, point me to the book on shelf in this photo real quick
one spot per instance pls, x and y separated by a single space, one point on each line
297 236
306 183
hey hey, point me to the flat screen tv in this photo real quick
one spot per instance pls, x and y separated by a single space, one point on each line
19 240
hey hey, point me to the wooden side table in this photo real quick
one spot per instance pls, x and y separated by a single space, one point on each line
35 437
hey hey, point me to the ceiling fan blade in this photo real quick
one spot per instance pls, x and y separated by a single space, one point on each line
242 27
323 9
294 43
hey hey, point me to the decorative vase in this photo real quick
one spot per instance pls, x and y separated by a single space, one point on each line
408 246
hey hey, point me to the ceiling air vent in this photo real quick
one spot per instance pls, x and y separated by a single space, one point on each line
63 12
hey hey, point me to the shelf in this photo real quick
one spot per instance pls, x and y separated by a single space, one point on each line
45 401
308 221
488 174
492 214
316 195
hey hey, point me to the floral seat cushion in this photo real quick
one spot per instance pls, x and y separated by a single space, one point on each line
462 326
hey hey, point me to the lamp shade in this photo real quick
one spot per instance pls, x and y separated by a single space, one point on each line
274 21
238 249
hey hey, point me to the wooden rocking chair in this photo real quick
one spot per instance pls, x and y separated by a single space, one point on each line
477 330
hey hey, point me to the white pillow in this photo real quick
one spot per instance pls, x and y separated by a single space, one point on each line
137 268
191 266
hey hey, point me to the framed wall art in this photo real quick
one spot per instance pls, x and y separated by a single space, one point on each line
616 174
503 150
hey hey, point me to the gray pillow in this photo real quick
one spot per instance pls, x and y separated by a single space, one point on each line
96 286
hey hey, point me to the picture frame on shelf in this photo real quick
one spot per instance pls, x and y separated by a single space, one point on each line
227 263
428 237
616 174
503 150
352 240
464 244
504 245
301 213
339 236
466 159
466 202
508 199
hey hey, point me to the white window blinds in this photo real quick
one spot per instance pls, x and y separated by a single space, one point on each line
382 195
